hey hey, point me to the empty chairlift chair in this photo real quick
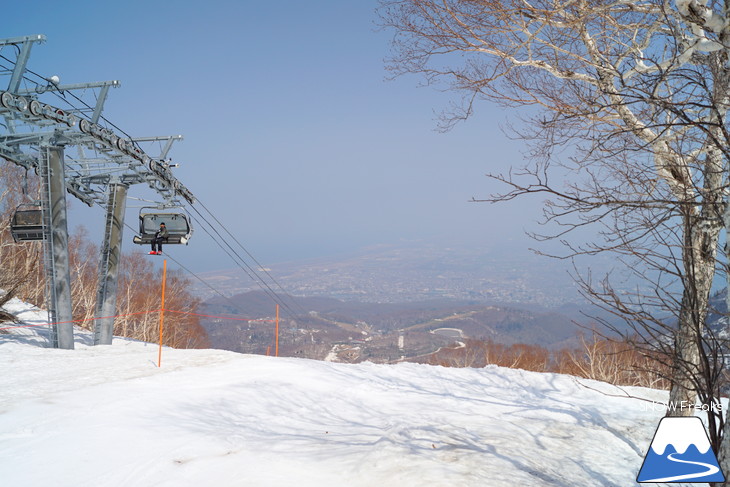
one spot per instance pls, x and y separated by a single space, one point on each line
177 223
26 224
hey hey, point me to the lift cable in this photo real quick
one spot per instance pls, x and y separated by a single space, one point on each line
235 258
245 266
208 285
251 270
201 280
260 266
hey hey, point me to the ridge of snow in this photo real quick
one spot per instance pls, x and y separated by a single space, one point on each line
108 416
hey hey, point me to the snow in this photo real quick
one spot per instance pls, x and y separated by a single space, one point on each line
713 21
108 416
683 6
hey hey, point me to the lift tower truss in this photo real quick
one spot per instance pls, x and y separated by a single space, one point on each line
37 134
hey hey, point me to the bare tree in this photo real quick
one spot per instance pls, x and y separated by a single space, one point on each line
631 101
83 262
139 301
637 90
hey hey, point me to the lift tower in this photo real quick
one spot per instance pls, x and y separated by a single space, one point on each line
36 134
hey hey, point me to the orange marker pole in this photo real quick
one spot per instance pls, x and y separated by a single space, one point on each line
277 330
162 311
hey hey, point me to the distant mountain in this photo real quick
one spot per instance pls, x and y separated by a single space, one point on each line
381 332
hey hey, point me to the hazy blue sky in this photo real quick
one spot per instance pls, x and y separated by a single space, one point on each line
293 137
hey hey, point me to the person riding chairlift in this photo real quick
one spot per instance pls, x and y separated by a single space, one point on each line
160 236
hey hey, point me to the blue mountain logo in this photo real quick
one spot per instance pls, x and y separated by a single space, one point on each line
680 452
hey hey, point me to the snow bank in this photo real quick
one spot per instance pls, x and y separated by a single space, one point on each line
108 416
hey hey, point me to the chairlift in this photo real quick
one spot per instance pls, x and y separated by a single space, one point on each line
176 221
26 224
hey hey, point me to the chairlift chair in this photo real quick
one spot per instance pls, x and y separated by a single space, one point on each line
26 224
177 223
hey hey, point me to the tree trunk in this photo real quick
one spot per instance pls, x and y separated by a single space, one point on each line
723 456
700 247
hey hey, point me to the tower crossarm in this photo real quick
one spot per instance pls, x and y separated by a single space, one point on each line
24 44
122 157
103 87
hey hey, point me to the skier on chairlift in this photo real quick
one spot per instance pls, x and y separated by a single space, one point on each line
160 236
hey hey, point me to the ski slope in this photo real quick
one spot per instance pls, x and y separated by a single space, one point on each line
108 416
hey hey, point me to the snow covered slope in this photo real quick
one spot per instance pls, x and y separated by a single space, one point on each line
108 416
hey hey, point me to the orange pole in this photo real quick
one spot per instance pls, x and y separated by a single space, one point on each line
277 330
162 311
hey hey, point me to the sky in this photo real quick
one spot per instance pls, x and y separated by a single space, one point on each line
294 138
213 417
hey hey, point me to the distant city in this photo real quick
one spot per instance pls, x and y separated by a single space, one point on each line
405 302
406 273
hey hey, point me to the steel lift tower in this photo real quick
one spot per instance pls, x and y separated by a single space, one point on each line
37 135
